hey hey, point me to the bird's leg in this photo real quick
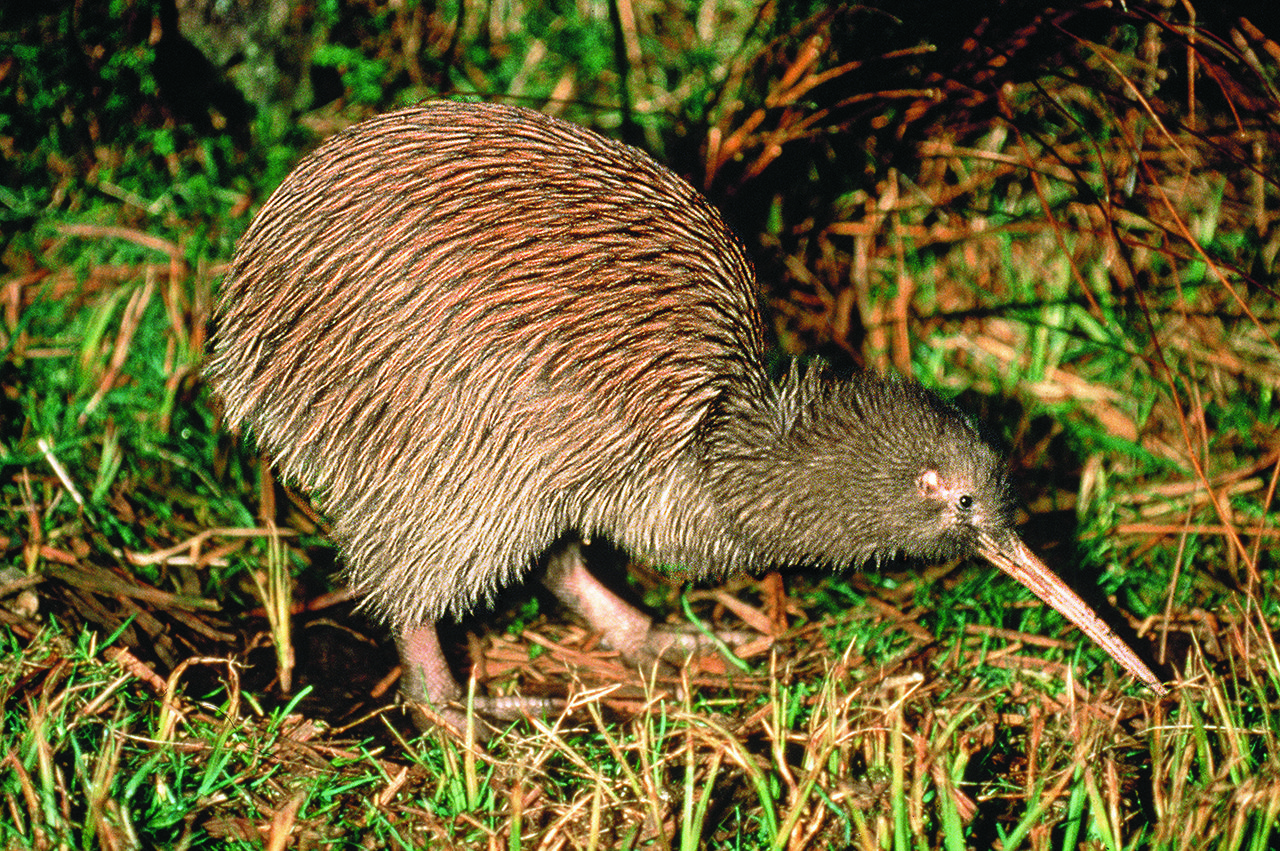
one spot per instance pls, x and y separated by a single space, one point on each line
426 681
624 628
435 695
426 677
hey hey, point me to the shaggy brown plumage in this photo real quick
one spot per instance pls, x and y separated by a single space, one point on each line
471 329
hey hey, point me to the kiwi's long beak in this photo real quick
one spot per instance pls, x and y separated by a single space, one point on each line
1012 556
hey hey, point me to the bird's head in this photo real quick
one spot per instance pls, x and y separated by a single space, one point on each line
886 467
863 470
943 487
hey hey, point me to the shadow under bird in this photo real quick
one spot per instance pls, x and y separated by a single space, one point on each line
477 334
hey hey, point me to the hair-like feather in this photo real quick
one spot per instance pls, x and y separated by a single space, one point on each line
468 329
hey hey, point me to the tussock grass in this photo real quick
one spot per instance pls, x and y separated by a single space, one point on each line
856 756
1066 219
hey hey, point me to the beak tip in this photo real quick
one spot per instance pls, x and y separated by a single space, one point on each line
1007 552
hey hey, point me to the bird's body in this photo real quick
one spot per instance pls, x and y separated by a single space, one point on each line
471 330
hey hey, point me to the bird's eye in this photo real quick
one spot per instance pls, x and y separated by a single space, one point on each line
965 502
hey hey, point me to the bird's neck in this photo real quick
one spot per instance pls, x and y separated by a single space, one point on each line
792 471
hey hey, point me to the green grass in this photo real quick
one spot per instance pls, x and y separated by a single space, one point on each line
837 760
1089 272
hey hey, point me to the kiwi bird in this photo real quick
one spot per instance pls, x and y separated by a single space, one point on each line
476 334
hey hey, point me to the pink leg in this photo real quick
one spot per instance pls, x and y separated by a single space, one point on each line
426 678
429 685
428 682
624 627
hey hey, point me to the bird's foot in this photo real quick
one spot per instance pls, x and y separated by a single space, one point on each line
435 699
480 719
675 643
624 628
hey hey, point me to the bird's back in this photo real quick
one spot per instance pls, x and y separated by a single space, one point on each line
468 328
